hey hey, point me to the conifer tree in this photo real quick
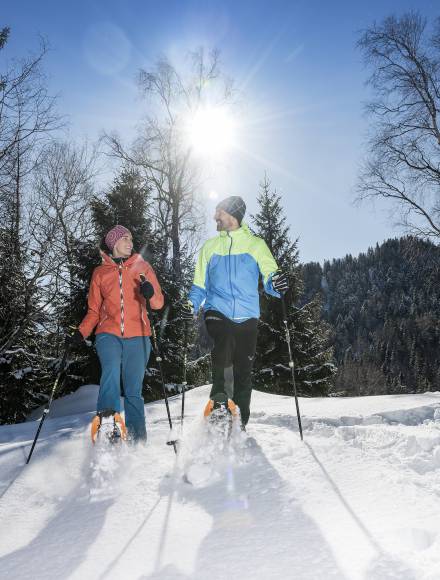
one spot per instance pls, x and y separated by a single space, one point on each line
311 352
27 117
127 204
20 360
130 203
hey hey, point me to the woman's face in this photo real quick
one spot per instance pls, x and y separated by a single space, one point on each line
123 247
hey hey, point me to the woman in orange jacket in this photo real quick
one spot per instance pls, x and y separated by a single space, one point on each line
118 292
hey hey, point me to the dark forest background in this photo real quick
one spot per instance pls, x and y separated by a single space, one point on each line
383 308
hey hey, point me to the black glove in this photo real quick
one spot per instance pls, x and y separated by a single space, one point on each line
187 311
146 288
280 283
74 339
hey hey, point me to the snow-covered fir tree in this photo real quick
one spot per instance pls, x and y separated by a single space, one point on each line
27 117
125 203
19 347
130 203
309 333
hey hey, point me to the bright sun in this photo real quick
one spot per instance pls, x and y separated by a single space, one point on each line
211 131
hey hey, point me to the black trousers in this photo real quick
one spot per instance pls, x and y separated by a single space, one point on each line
234 346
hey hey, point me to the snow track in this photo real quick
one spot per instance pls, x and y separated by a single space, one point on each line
359 499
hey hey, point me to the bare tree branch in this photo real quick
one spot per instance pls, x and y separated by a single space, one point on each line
160 151
404 150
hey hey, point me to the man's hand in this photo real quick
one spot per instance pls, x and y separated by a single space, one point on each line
187 311
74 339
146 288
279 282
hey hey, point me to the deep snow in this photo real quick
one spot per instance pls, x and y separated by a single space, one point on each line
358 499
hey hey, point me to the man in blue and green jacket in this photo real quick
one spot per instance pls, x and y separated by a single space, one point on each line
226 284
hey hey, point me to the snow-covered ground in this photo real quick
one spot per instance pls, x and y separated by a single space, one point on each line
358 499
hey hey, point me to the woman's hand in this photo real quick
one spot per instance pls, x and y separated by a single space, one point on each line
146 288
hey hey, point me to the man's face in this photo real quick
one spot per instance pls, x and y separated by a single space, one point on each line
225 221
123 247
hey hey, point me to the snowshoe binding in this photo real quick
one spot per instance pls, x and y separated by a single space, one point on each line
108 426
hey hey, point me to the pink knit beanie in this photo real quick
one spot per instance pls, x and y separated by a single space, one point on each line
114 235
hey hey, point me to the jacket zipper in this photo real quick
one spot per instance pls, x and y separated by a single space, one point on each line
122 299
230 277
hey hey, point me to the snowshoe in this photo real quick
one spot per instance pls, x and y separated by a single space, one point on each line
220 405
213 446
108 426
219 412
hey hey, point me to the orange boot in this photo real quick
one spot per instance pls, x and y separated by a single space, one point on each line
117 429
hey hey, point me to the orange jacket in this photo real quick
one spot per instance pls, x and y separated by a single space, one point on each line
115 302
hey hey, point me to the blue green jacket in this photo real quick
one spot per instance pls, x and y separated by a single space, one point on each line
227 274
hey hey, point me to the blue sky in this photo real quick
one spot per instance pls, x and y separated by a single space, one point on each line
301 82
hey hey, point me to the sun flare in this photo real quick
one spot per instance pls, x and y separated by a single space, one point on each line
211 131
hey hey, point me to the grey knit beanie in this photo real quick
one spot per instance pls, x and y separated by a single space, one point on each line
234 206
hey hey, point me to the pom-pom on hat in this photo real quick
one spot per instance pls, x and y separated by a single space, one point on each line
234 206
114 235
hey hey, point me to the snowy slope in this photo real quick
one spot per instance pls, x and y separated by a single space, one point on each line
359 499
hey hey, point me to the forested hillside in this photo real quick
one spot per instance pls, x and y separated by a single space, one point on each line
383 307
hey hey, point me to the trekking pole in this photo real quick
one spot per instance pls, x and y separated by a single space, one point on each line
184 382
291 363
158 357
47 408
